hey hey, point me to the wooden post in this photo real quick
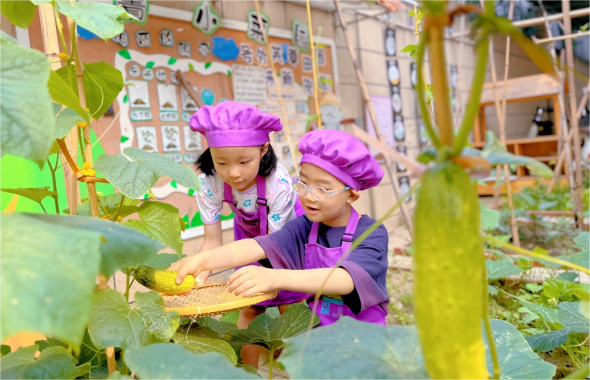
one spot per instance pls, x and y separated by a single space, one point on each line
501 115
569 52
277 85
315 66
51 47
367 98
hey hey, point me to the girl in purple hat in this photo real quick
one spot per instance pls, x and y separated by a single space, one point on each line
240 168
334 167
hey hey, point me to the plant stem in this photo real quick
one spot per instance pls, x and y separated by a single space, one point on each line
438 69
420 91
582 373
119 209
472 108
41 204
489 332
127 284
81 142
540 256
60 29
271 356
54 182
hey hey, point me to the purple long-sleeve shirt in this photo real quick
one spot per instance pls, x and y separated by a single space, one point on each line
367 264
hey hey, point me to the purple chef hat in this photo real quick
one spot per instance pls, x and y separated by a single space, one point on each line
234 124
342 155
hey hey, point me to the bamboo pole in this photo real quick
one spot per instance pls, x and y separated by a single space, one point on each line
51 48
277 85
365 92
569 52
560 38
501 114
457 120
315 67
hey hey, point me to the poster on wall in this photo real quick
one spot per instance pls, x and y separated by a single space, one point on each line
382 107
221 61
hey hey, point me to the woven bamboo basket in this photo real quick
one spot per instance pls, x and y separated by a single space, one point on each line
211 299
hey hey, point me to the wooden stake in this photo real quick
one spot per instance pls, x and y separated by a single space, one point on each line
315 66
569 52
501 114
277 85
560 38
51 48
367 98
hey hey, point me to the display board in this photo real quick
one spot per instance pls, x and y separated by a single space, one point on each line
223 60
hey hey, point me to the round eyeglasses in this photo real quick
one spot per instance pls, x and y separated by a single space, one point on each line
318 193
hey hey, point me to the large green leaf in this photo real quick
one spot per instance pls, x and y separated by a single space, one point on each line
350 349
53 363
173 361
226 330
517 359
270 331
111 205
20 13
195 341
123 246
104 20
548 341
547 313
102 85
36 194
183 175
501 269
160 221
48 277
25 73
161 260
134 178
583 240
65 121
489 218
62 93
495 153
114 323
569 316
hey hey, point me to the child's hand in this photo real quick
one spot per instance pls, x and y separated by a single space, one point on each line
189 265
251 280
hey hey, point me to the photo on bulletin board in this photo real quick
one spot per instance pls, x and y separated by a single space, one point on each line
221 61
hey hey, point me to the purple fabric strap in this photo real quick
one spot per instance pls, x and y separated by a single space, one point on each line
260 201
353 222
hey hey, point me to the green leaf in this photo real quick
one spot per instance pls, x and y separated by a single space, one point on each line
331 352
226 330
62 93
162 260
102 85
173 361
569 316
114 323
36 194
53 363
207 65
516 358
135 178
269 332
104 20
160 221
495 153
43 344
171 61
122 247
549 314
59 263
81 370
125 54
19 13
111 205
89 353
409 49
201 344
191 67
5 350
54 148
501 269
490 219
65 121
547 342
24 74
583 240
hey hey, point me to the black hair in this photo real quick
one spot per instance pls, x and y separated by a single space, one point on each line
268 163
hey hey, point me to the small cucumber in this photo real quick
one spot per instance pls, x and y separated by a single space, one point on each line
449 268
162 281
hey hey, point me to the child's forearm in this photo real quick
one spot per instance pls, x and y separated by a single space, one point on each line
311 280
233 254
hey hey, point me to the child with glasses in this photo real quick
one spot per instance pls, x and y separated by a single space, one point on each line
334 167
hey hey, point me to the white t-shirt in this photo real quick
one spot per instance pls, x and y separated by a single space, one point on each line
279 193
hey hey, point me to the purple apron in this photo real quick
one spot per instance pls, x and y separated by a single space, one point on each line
248 226
330 309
